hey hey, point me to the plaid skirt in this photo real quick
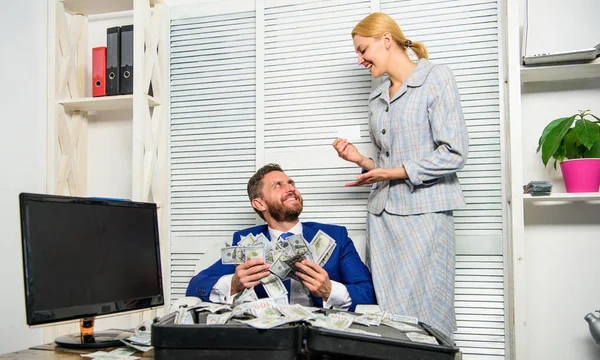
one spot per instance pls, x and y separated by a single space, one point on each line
412 259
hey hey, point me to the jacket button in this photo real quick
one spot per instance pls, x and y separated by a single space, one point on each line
387 108
387 153
383 131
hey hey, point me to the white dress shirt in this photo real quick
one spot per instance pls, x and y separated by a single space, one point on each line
339 299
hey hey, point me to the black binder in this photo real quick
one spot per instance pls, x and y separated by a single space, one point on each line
126 64
113 56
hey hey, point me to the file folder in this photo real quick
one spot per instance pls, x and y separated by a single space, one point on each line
99 71
113 55
126 61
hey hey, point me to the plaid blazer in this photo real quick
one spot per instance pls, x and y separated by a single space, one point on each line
423 129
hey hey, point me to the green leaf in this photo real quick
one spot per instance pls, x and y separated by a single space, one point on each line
560 153
594 152
587 132
547 130
554 137
572 145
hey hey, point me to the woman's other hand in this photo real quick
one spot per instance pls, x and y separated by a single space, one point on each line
377 175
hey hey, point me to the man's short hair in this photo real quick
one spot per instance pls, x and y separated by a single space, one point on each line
255 184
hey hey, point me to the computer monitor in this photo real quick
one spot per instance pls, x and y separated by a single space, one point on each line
85 257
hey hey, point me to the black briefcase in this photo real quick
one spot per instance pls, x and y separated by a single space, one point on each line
229 341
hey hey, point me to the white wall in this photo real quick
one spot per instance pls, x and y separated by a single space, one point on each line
22 152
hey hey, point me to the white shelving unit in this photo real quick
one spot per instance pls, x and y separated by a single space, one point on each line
551 236
562 197
560 72
69 103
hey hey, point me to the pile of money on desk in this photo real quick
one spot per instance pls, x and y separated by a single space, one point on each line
282 254
538 188
268 313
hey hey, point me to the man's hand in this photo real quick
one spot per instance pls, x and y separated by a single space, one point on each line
315 278
248 275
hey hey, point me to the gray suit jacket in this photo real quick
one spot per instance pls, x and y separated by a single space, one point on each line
423 129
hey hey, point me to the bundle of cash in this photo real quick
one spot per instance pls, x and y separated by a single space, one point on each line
537 188
271 312
282 254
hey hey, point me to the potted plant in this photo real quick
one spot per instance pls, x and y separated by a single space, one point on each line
574 142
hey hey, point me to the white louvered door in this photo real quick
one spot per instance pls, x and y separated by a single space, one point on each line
301 60
213 120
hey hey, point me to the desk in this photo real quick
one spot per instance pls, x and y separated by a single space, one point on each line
53 352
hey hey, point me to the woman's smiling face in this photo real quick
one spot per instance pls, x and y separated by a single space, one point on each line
371 54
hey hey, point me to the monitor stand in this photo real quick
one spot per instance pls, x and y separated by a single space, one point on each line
87 339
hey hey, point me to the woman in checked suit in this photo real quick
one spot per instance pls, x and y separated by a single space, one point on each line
418 129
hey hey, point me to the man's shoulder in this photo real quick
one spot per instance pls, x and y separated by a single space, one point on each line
324 227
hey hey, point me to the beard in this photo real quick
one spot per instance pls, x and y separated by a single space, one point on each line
281 213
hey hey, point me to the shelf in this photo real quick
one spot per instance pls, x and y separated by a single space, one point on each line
563 197
87 7
102 103
560 72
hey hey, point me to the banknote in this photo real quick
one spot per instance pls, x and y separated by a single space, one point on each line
248 295
267 323
218 319
340 320
272 255
422 338
280 268
247 240
296 312
232 255
254 252
273 286
403 318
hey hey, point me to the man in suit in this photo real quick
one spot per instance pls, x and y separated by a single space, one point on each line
343 282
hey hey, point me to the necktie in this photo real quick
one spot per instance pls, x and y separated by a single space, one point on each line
285 235
287 283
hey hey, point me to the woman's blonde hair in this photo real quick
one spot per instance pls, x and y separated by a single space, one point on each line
376 24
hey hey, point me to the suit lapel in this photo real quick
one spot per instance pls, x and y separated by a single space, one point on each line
309 232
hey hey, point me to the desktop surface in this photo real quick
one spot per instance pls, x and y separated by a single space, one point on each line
52 351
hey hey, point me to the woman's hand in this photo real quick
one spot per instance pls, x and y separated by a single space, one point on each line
347 151
379 174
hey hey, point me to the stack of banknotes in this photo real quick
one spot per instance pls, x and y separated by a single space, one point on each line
282 254
271 312
538 188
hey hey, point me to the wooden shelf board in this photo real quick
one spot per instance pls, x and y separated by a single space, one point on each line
118 102
563 197
87 7
560 72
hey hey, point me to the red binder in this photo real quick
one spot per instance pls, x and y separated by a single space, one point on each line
99 71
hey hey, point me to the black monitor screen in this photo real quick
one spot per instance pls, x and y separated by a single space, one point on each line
84 257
